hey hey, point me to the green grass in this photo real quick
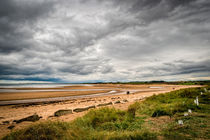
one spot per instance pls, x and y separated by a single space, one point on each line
154 118
195 126
47 130
174 102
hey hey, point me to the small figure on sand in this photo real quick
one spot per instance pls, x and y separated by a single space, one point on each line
128 92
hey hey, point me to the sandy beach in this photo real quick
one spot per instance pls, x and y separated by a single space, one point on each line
117 98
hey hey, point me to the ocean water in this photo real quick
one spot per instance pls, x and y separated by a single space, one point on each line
43 90
40 85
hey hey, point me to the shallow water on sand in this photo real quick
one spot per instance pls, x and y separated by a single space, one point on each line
43 90
113 92
40 85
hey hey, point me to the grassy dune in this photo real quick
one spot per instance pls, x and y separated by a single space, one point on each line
154 118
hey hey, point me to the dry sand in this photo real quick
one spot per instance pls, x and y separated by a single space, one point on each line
15 112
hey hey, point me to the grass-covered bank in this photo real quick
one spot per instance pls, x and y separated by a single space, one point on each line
154 118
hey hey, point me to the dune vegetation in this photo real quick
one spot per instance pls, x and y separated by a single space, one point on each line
174 115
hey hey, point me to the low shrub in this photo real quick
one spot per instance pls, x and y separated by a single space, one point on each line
106 118
40 131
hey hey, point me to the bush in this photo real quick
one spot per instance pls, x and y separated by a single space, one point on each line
160 112
106 119
104 115
41 131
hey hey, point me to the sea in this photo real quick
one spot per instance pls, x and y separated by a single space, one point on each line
39 85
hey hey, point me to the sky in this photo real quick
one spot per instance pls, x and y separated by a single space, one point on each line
104 40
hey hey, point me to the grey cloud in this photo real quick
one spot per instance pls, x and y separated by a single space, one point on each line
104 39
153 10
158 10
16 70
17 23
162 37
88 66
179 67
24 11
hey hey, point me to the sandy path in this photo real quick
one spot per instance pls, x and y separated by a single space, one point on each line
15 112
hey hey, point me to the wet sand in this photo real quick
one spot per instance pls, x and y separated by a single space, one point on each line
45 94
7 94
46 110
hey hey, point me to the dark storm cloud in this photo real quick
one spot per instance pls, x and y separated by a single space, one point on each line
139 5
181 26
21 70
17 19
181 67
24 11
153 10
104 39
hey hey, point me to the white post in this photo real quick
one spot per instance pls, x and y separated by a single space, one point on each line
197 101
